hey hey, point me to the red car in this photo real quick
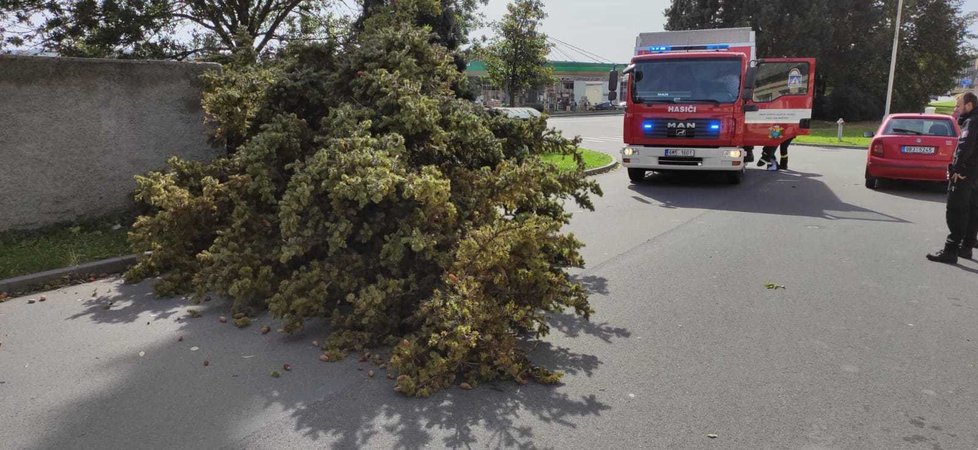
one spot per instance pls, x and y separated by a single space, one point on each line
911 147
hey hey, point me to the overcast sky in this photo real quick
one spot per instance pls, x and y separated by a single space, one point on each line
606 28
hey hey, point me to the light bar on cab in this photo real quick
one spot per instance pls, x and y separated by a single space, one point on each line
682 48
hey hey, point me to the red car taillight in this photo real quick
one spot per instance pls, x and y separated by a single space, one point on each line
877 148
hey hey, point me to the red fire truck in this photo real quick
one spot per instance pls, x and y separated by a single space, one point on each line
699 101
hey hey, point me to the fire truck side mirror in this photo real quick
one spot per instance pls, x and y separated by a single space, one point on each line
612 96
748 91
613 81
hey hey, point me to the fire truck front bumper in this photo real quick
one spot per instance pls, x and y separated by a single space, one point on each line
663 159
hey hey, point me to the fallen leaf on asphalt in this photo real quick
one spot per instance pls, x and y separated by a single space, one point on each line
43 298
194 349
465 386
206 363
363 358
774 286
287 367
238 316
142 353
193 313
275 374
315 343
711 436
30 302
242 322
390 376
265 329
370 373
180 339
222 319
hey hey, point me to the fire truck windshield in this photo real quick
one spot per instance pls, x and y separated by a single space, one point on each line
706 80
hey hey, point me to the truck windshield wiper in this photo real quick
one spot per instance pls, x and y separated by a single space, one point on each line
656 100
903 130
700 100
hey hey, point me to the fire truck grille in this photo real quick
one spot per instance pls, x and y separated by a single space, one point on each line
682 129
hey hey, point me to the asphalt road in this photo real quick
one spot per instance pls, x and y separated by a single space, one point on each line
869 346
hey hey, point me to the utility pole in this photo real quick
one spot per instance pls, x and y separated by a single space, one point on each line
893 58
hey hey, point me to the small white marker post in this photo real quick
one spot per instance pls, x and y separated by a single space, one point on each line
841 123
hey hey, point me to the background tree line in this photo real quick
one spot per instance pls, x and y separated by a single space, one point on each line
852 40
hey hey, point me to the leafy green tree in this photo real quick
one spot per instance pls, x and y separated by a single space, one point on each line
158 28
851 39
364 191
516 58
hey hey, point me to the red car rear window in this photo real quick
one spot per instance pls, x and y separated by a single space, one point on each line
920 127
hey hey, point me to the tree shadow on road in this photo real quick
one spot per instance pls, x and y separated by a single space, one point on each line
169 398
778 193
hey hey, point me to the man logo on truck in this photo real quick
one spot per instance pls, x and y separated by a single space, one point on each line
682 109
689 125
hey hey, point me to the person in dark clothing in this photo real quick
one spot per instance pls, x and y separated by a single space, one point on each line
783 163
962 195
767 156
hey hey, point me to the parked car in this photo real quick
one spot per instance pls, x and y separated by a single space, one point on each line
911 147
604 106
517 113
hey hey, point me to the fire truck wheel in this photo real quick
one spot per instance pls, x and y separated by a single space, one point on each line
636 175
735 177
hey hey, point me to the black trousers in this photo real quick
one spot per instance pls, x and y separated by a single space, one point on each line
962 212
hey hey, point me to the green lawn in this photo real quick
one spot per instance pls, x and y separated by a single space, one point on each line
944 107
592 159
826 134
24 252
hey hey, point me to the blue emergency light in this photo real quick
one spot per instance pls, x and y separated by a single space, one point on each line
670 48
714 125
647 126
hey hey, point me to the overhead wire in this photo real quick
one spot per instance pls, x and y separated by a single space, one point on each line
589 54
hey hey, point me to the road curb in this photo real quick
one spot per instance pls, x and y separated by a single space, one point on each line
36 280
586 114
603 169
852 147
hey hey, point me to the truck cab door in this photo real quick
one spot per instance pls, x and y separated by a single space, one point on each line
778 100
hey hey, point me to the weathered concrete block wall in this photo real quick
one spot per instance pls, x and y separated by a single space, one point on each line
74 132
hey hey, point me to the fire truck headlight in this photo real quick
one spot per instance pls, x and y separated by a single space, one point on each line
628 151
735 153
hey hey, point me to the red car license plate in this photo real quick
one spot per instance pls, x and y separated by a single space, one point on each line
919 150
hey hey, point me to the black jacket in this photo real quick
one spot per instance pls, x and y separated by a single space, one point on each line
966 157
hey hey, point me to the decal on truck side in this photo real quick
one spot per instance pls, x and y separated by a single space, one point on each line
777 115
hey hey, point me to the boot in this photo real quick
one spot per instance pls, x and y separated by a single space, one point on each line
783 163
965 252
949 255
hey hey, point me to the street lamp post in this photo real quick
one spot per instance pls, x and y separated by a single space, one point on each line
893 58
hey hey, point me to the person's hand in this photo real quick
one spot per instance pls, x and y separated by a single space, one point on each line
958 177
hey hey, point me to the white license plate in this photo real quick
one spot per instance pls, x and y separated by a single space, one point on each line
688 152
919 150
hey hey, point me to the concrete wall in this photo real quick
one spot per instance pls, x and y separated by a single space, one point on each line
74 132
